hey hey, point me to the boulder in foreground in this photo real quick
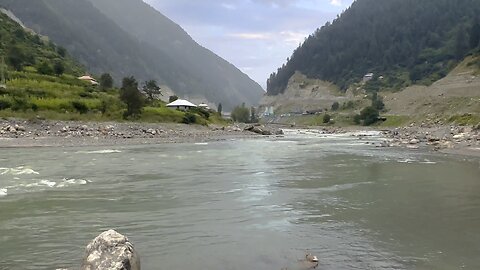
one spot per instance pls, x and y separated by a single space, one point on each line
110 251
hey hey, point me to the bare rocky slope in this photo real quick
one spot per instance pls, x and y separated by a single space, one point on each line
455 96
304 94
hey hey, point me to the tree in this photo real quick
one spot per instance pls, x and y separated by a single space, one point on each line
369 115
377 102
130 95
61 51
461 43
45 69
335 106
253 115
172 99
152 90
475 35
16 57
58 68
106 81
219 108
241 114
326 118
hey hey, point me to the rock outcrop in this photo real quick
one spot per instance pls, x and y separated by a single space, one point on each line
263 130
110 251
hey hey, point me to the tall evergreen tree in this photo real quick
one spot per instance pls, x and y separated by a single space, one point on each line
106 81
461 43
475 35
131 96
152 90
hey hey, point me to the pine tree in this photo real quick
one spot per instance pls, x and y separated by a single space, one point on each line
130 95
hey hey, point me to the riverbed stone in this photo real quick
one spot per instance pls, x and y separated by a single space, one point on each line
110 251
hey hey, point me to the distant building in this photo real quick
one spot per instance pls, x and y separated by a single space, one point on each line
89 79
204 106
181 104
368 77
268 111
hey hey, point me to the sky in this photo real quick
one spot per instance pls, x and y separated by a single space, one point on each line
256 36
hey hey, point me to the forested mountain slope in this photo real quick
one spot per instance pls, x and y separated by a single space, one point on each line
131 38
21 50
405 41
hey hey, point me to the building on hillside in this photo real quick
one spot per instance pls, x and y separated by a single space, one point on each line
269 111
204 106
181 104
89 79
368 77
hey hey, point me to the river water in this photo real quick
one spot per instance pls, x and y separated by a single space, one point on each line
243 204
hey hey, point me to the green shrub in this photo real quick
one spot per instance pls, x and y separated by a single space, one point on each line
357 119
326 118
45 69
20 104
5 104
80 107
369 115
200 111
335 106
241 114
189 118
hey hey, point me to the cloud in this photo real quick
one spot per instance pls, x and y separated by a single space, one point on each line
228 6
293 38
336 2
257 36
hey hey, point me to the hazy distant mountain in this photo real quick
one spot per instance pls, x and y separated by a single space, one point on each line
405 41
128 37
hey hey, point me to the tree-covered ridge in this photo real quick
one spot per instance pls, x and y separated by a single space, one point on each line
21 49
405 41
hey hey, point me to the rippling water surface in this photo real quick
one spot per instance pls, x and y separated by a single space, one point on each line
245 204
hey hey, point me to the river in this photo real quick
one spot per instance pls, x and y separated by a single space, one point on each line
243 204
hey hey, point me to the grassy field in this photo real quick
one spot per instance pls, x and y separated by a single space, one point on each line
31 96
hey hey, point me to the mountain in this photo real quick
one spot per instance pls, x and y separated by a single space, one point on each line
403 41
129 37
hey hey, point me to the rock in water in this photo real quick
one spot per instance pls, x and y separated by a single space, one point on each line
110 251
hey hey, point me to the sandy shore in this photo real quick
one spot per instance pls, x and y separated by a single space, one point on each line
43 133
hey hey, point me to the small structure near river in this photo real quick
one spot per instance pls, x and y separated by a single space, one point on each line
181 104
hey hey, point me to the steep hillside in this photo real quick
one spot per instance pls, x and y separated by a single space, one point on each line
455 96
305 95
405 41
24 50
42 82
131 38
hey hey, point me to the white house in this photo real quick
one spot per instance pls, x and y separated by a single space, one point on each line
88 79
181 104
368 77
204 106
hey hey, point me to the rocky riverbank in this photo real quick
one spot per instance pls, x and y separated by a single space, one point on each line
463 140
448 139
23 133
